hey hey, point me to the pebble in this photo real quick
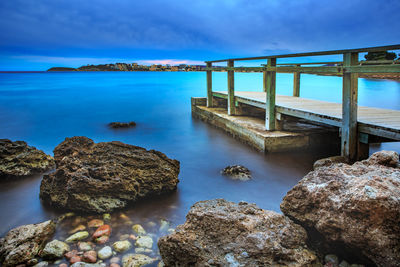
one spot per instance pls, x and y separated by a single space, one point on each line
171 230
63 265
124 237
77 237
107 217
90 256
55 249
102 239
95 223
151 224
136 260
331 258
41 264
344 264
75 259
115 260
138 229
102 230
105 253
144 242
84 246
121 246
71 254
115 265
133 237
80 227
143 250
164 225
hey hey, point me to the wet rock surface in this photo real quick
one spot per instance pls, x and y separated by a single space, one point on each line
118 125
237 172
106 176
222 233
17 159
24 243
354 209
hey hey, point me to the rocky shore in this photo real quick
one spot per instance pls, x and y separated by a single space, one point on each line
336 215
102 177
17 159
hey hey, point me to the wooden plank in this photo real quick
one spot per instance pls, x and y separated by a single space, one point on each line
319 53
270 96
349 139
209 86
231 89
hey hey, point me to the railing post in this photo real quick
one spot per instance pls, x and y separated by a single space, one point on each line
231 89
270 84
264 81
209 86
349 108
296 83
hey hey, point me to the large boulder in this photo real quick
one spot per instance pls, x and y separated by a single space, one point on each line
106 176
222 233
17 159
24 243
355 209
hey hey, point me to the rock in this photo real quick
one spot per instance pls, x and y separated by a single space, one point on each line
55 249
90 256
102 177
95 223
77 237
143 250
115 260
75 259
85 246
237 172
63 265
24 243
84 264
41 264
17 159
144 242
331 258
242 234
344 264
102 230
352 209
117 125
107 217
80 227
164 225
70 254
329 161
114 265
136 260
102 239
161 264
121 246
105 253
138 229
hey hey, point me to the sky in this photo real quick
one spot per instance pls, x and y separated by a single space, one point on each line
39 34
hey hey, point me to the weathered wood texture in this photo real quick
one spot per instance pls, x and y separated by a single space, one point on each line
231 89
209 86
374 121
349 108
270 85
320 53
296 83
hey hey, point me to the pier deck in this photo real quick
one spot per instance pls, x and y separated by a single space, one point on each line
374 121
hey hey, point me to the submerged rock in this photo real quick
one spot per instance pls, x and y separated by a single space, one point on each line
144 242
222 233
77 237
117 125
136 260
354 208
55 249
121 246
105 253
237 172
25 242
138 229
106 176
17 159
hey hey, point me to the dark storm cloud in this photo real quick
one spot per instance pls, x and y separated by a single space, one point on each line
192 29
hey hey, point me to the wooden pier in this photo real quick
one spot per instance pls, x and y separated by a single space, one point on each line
359 126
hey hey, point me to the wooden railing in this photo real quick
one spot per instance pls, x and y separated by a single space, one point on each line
349 69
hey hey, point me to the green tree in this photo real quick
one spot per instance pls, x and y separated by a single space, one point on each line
382 55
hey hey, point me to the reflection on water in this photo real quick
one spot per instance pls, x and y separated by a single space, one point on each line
44 108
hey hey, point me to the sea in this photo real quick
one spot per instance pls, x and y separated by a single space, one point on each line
44 108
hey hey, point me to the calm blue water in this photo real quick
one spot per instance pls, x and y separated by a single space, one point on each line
44 108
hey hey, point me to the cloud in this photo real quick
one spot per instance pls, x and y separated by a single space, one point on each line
194 29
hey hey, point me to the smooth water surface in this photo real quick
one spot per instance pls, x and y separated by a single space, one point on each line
44 108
